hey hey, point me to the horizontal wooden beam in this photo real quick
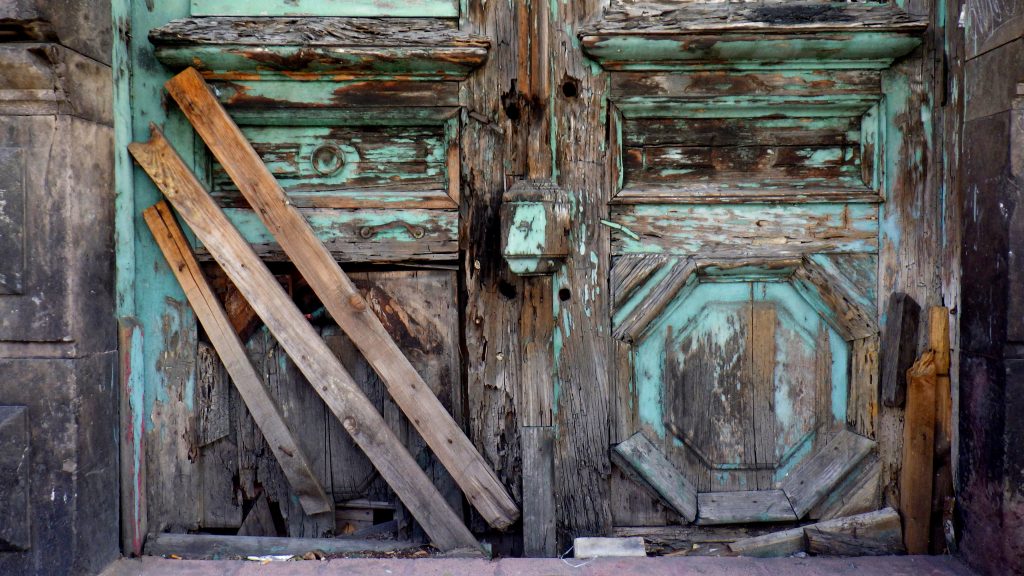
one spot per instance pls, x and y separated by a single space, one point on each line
218 547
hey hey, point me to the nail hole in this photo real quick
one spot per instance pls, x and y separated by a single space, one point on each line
564 294
570 88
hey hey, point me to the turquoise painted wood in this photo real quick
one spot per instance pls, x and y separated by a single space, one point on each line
372 8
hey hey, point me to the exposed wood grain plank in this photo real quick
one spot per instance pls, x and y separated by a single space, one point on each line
836 299
859 492
871 534
718 82
899 347
216 547
630 272
264 410
219 500
813 479
303 344
942 488
772 545
862 401
643 462
343 301
680 276
539 515
369 8
743 506
762 362
916 474
538 387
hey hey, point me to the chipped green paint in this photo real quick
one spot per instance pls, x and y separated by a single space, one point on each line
366 8
525 244
759 106
621 228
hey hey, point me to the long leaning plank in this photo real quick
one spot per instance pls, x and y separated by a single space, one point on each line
298 338
645 464
265 411
348 308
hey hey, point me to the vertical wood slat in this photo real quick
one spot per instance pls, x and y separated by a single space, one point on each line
346 306
942 486
918 454
323 370
899 346
539 520
214 320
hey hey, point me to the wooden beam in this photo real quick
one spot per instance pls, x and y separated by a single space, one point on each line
872 534
642 462
899 346
918 454
539 520
218 547
298 338
346 306
743 506
265 411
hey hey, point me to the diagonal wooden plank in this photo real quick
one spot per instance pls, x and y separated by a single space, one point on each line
455 451
815 477
265 411
644 463
323 370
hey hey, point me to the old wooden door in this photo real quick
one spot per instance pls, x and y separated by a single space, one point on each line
737 179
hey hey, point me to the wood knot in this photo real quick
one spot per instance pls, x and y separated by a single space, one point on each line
356 302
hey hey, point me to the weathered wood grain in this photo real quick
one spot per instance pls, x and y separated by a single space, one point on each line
680 276
942 486
630 272
644 463
231 352
718 82
772 545
217 547
743 506
327 375
916 473
859 492
432 8
899 347
259 521
837 300
863 398
343 301
872 534
539 515
537 397
815 477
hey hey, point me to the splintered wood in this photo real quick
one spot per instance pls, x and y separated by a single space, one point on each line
296 335
231 351
342 300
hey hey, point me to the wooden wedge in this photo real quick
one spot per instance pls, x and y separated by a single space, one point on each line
482 487
265 411
302 343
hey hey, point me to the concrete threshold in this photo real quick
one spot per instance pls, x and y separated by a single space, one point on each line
703 566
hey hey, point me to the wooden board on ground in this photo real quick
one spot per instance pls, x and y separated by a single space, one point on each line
918 454
323 370
872 534
211 315
814 478
774 545
215 546
346 306
643 462
899 346
743 506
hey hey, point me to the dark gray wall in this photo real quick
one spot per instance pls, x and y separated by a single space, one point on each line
58 361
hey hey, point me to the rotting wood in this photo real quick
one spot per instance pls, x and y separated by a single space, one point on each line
773 545
259 521
326 374
743 506
231 351
871 534
899 347
217 547
481 486
644 463
815 477
916 474
539 516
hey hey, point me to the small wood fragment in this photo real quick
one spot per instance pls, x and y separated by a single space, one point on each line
899 346
644 463
872 534
916 474
814 478
774 545
743 506
609 547
218 547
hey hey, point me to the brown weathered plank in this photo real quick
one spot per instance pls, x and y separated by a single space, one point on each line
483 489
916 474
536 325
871 534
743 506
214 546
680 276
942 487
773 545
301 341
815 477
862 401
642 461
208 310
899 346
539 517
859 492
219 500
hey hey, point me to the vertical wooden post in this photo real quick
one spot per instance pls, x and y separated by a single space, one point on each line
942 487
918 454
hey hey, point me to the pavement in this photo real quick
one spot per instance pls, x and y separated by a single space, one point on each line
683 566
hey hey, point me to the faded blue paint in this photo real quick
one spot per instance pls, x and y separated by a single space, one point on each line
841 368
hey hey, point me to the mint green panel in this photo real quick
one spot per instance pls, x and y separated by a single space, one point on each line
378 8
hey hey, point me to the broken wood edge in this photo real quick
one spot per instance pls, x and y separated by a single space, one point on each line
848 534
329 379
414 397
208 310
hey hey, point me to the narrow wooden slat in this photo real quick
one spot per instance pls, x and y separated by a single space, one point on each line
942 488
455 451
815 477
302 343
539 519
535 326
773 545
871 534
215 546
743 506
918 454
643 462
640 318
899 346
211 315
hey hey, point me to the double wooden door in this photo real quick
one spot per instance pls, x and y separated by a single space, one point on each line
737 181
